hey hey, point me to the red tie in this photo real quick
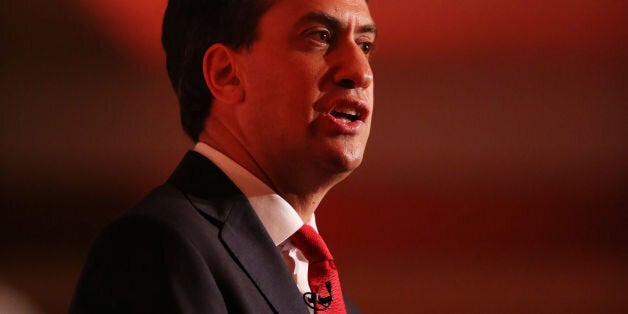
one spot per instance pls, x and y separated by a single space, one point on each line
322 272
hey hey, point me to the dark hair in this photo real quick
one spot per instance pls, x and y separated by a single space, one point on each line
189 28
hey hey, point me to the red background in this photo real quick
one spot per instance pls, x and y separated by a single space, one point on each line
495 179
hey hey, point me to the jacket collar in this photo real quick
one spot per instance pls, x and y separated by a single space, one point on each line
220 201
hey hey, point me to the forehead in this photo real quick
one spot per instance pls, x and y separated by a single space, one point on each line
287 13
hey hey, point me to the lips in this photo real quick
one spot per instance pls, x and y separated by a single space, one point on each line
345 115
349 110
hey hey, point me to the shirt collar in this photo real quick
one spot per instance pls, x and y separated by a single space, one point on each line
278 217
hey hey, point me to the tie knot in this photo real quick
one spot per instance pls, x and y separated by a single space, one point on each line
311 244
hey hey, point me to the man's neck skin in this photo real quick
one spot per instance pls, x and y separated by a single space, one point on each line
303 195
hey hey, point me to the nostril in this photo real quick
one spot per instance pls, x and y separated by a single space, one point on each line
347 83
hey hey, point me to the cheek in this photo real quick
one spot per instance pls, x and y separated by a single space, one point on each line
283 94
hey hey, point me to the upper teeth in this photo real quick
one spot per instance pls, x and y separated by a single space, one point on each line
349 111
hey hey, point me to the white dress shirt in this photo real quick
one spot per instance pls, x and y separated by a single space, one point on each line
278 217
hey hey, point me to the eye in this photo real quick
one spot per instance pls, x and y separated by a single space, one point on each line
324 36
321 36
367 47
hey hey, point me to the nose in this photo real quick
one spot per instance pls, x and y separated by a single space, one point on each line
353 69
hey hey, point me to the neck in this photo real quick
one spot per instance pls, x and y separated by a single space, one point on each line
296 185
305 204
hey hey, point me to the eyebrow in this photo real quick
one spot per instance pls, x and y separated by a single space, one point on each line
334 23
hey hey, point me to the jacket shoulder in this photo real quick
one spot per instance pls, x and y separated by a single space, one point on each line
139 264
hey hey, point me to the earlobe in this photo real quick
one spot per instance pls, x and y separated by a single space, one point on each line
220 72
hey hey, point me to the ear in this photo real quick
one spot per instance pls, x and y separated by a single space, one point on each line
221 76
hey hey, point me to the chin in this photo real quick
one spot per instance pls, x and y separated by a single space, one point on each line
344 162
338 156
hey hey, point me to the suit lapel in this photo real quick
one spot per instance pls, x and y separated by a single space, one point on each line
258 255
242 233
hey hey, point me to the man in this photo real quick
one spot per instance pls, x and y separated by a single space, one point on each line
278 96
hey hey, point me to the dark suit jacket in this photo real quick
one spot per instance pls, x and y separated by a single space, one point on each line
193 245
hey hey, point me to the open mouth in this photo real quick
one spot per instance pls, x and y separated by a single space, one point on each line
346 114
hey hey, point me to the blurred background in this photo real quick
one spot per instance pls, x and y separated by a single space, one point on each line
495 180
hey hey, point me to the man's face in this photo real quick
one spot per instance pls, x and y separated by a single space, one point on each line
308 88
